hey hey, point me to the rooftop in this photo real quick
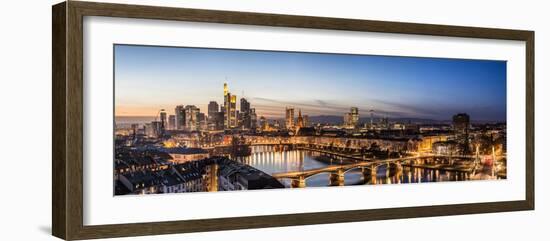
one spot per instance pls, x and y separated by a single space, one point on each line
185 151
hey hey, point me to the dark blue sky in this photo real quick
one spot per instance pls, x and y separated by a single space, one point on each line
149 78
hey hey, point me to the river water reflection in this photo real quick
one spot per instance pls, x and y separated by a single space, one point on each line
270 160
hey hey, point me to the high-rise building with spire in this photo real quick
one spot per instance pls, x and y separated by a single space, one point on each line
300 121
230 105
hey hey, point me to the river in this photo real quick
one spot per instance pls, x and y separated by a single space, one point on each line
270 160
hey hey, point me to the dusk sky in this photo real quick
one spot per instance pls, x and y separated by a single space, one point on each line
151 78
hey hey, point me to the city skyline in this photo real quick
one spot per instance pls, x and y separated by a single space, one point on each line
229 120
151 78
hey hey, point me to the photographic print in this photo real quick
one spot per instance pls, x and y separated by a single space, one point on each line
208 120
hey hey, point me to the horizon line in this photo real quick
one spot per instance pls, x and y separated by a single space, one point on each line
283 117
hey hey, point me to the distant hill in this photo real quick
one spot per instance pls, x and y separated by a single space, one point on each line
414 120
332 119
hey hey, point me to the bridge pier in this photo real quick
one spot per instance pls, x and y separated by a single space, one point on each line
367 173
399 167
398 172
373 174
298 183
337 178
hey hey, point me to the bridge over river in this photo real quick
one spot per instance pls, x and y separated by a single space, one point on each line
369 167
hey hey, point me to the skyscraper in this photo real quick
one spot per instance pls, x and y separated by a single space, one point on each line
180 117
225 89
201 121
218 121
245 106
213 108
226 100
230 105
192 117
253 119
461 126
233 111
163 121
289 118
354 116
153 129
214 118
245 114
351 119
347 118
461 123
171 122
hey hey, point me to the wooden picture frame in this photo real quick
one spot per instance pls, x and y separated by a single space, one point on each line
67 124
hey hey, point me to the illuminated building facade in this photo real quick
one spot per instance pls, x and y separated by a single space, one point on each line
180 117
183 155
289 118
230 105
211 178
351 119
215 116
192 121
153 129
